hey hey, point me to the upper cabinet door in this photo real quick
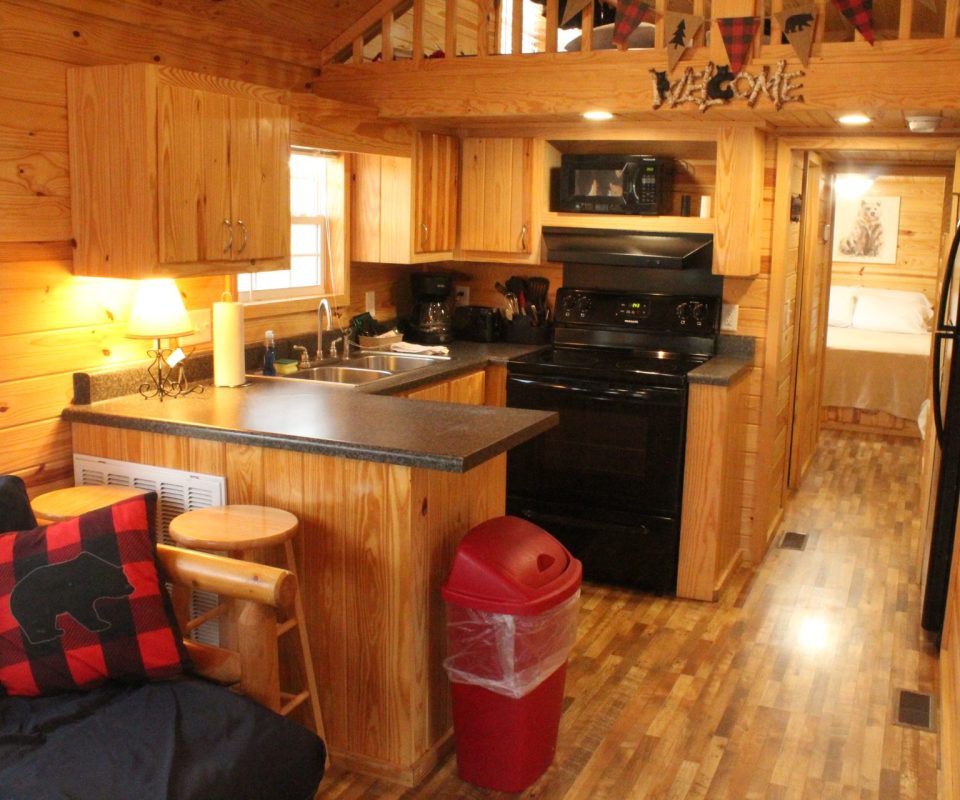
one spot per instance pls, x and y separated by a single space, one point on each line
495 208
176 174
259 179
437 159
193 186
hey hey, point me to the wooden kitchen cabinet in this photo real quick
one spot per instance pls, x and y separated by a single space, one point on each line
469 389
496 199
174 173
405 209
738 202
712 487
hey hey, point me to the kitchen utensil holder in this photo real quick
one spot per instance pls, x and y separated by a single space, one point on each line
522 330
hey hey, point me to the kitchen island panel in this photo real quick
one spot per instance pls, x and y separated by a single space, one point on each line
375 545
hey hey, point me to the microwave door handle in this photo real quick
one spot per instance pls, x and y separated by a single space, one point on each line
630 172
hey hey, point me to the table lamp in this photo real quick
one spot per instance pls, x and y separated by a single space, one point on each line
158 313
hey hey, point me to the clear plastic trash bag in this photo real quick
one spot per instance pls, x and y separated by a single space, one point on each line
507 654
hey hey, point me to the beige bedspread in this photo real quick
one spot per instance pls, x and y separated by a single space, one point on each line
877 371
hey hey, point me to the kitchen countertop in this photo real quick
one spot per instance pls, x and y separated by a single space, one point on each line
352 423
719 371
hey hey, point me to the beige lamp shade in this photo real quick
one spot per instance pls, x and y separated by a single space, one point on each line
158 311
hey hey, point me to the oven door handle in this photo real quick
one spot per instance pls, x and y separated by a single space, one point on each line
628 393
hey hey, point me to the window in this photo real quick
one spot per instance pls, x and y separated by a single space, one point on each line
316 235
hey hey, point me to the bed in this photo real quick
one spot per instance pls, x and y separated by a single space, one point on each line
876 365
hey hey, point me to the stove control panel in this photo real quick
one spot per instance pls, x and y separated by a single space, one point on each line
651 313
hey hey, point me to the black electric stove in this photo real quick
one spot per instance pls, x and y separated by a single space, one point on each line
608 480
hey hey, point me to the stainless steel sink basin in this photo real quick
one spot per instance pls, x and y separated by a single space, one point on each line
338 374
394 363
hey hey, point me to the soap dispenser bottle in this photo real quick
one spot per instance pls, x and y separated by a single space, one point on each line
270 356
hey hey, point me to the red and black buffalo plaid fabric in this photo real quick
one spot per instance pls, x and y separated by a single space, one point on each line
737 34
82 602
860 13
630 13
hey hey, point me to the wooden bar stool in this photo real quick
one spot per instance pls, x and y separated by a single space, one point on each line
73 501
242 531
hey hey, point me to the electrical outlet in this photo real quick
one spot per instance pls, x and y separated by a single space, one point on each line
370 302
729 316
462 293
200 317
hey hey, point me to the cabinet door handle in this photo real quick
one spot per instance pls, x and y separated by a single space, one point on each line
243 235
229 245
424 232
523 237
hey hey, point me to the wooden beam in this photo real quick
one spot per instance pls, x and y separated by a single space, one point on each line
386 36
516 29
906 19
417 38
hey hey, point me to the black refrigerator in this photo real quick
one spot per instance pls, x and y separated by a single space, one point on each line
946 416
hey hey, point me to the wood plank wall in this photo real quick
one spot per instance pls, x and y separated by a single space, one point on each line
921 192
52 322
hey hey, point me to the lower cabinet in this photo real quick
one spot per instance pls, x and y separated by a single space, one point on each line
469 389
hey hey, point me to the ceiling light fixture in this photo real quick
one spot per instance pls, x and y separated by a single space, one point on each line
852 185
923 124
597 116
854 119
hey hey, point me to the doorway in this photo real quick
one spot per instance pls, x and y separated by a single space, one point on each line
800 280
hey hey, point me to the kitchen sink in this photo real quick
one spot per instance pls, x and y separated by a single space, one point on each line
339 374
394 363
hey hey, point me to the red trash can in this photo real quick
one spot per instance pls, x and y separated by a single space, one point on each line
512 597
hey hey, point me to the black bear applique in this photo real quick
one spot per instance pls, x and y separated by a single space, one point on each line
68 587
797 22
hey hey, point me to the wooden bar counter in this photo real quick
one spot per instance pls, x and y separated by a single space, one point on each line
384 489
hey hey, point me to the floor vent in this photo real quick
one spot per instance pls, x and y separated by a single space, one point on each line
793 541
914 710
178 491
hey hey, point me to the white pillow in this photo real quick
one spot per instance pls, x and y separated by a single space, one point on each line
892 314
901 296
840 310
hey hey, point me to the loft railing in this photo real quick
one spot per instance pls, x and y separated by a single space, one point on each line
419 29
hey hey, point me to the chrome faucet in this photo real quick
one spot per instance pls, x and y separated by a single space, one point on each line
325 304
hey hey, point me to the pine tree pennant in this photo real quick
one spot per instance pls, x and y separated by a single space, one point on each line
630 13
860 13
798 23
572 8
737 34
679 30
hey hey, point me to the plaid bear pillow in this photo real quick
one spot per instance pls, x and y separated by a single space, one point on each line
81 602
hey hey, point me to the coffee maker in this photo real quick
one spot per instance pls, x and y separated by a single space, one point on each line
431 322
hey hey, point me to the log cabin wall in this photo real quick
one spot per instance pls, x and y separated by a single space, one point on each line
923 198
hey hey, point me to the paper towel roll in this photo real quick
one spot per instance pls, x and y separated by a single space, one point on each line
706 205
228 357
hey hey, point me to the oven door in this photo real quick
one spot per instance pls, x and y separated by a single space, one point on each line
617 447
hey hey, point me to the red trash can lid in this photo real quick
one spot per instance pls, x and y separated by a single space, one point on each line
511 566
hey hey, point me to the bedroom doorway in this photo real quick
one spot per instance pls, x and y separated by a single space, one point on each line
795 344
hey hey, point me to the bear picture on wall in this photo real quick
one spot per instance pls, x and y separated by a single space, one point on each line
866 230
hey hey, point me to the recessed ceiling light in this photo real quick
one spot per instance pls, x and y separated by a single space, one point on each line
597 116
854 119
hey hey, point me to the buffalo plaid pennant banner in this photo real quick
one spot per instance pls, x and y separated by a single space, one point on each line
860 13
630 13
738 33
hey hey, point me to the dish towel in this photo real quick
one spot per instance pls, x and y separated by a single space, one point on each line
420 349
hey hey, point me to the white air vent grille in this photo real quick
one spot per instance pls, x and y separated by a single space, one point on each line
178 491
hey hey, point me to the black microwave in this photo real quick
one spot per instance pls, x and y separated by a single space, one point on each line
612 184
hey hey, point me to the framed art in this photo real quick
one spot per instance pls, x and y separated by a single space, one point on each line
866 229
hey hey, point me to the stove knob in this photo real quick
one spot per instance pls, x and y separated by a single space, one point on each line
699 312
682 311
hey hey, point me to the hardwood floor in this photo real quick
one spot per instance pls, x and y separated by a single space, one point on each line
783 689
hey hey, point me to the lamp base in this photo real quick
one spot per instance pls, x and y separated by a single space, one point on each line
172 383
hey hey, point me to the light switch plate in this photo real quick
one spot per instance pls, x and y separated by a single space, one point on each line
200 317
729 316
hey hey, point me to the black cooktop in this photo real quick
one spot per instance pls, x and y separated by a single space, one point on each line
609 364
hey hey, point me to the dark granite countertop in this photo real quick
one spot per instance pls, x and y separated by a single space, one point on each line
351 423
719 371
